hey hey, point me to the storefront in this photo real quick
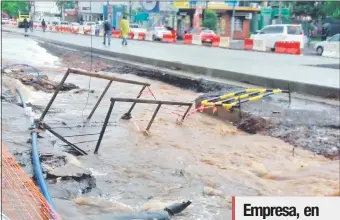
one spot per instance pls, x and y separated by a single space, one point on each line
243 16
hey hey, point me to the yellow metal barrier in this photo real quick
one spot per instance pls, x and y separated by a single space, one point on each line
231 100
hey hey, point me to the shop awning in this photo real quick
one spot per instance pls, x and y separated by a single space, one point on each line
142 17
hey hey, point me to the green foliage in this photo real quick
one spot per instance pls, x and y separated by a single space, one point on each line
311 8
317 9
210 19
11 8
332 9
66 5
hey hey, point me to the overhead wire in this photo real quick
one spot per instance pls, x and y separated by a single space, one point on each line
89 84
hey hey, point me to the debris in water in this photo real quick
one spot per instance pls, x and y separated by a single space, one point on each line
212 192
43 84
102 205
154 205
252 124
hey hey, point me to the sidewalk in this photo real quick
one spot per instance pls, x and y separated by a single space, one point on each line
263 69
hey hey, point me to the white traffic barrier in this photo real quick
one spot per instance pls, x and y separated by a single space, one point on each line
148 36
332 50
224 42
259 45
196 39
135 35
93 30
81 30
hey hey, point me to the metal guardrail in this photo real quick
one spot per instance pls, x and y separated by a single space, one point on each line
95 75
159 103
90 74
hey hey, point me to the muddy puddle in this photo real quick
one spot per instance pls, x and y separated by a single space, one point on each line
203 160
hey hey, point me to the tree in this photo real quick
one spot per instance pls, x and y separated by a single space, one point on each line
308 8
11 8
332 9
64 5
210 19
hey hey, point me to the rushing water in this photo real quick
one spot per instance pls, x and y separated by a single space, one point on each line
203 160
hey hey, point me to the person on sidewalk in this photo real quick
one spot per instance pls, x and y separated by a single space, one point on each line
26 25
125 29
43 25
31 25
107 31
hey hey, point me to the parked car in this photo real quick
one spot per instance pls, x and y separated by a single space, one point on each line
135 28
280 32
63 23
319 47
207 35
4 20
157 32
173 31
75 24
89 23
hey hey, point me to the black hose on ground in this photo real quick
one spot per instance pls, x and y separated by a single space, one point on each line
165 214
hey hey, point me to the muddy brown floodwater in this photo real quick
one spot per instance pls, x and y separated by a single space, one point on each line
203 160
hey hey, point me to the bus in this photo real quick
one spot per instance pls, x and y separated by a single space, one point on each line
21 18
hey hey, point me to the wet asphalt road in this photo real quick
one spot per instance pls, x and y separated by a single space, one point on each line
260 65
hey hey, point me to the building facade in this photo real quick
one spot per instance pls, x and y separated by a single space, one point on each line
46 10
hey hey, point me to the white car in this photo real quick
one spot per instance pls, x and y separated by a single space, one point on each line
75 24
280 32
4 20
63 23
319 47
89 23
157 32
136 29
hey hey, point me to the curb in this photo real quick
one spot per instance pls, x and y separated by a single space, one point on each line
304 88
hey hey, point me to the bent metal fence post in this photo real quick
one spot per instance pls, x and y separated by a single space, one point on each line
159 103
90 74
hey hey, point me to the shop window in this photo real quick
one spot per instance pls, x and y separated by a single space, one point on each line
238 24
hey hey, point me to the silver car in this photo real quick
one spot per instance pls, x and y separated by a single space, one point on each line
157 32
319 47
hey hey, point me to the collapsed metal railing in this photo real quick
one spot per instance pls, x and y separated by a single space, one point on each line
157 102
95 75
125 116
90 74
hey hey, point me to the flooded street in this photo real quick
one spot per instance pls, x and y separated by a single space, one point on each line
204 160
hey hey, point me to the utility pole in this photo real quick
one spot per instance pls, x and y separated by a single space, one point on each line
130 10
232 22
107 10
280 12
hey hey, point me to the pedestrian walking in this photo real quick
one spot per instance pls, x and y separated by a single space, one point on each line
31 25
26 25
309 36
107 31
323 34
125 29
43 25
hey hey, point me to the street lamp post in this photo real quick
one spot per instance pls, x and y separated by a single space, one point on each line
107 10
232 22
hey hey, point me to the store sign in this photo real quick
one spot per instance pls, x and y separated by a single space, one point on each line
232 3
85 8
202 4
181 4
150 6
